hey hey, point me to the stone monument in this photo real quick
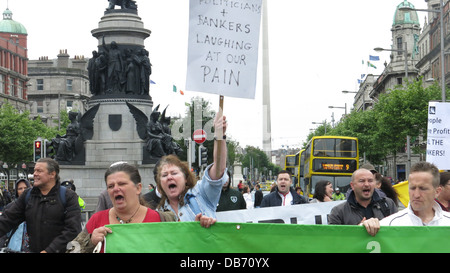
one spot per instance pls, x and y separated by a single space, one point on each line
120 124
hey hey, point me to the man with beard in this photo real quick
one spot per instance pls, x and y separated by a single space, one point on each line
363 203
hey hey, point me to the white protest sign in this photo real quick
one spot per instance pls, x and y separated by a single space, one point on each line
305 214
223 47
438 136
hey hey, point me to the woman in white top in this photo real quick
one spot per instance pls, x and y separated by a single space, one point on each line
247 197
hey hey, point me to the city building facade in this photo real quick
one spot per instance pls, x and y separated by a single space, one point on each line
422 59
56 85
13 63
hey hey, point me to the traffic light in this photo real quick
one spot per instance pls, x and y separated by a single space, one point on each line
202 156
49 151
38 151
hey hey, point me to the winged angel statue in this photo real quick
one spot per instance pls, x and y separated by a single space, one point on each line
155 132
80 129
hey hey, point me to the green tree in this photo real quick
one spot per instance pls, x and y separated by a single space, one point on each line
257 158
361 125
383 130
18 133
403 112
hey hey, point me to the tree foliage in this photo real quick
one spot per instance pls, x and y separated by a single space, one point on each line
383 130
256 158
18 133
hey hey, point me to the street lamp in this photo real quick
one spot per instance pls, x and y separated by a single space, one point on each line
324 123
345 108
379 49
347 92
441 13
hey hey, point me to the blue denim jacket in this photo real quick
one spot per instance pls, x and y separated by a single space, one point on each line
203 198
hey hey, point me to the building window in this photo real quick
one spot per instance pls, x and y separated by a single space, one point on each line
69 85
399 81
12 87
69 105
400 45
40 106
20 90
39 84
2 84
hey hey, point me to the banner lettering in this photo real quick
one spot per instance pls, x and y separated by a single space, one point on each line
438 135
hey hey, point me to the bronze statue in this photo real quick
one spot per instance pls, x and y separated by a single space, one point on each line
158 142
80 129
115 67
132 72
65 145
146 71
171 147
124 4
97 67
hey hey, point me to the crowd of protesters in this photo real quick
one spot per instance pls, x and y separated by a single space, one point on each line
46 216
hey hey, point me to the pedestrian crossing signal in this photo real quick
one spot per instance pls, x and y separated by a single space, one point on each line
37 150
202 156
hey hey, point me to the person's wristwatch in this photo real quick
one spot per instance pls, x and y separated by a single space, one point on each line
224 137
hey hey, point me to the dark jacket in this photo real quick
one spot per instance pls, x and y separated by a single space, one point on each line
50 225
351 213
152 199
273 199
231 199
258 198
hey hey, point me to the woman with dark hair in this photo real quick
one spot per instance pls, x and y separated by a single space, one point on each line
387 188
323 192
123 184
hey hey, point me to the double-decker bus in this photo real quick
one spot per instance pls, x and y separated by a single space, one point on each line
294 165
332 158
291 165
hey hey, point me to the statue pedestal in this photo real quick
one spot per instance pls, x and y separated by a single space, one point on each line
115 137
90 180
124 28
237 174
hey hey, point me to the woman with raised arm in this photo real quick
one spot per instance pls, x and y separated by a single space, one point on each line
181 194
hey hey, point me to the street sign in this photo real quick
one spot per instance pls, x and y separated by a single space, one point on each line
199 136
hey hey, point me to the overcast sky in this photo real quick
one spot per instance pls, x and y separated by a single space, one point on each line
316 51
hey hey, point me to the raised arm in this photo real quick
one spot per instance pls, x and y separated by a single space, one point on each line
220 148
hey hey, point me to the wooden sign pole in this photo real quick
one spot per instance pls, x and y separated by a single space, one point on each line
219 135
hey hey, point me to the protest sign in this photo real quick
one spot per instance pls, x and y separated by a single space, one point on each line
307 214
438 135
223 47
190 237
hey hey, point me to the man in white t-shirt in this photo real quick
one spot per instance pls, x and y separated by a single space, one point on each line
422 209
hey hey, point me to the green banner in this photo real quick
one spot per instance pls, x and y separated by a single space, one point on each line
190 237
